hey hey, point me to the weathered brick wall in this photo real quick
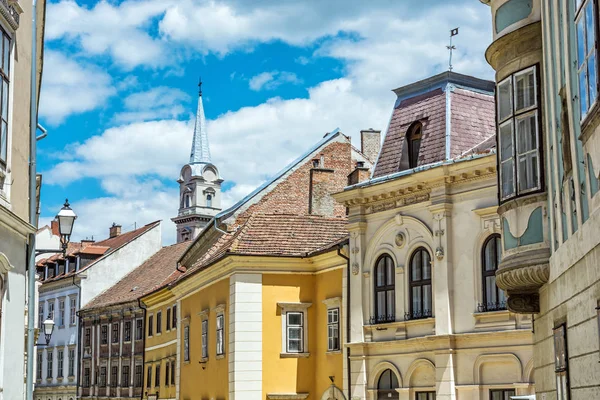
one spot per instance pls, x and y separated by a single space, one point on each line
291 195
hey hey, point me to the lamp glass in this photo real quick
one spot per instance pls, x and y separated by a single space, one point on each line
66 217
48 327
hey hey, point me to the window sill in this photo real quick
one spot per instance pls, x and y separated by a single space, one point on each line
333 352
589 123
294 355
60 379
287 396
220 356
158 334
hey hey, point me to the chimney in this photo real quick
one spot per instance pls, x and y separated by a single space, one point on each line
114 231
321 186
54 228
370 143
360 174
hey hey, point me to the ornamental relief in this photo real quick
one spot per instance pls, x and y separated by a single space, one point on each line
391 204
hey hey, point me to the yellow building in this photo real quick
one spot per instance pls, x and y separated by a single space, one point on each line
259 293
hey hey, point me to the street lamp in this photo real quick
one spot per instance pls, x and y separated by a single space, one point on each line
66 218
48 329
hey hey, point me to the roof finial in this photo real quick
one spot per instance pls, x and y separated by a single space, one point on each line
453 32
200 86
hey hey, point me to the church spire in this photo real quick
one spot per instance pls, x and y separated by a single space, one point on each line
200 149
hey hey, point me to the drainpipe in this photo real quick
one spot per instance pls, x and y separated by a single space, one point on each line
143 307
32 205
348 272
449 89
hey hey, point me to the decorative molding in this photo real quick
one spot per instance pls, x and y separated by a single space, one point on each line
10 10
491 358
204 314
355 268
294 355
332 302
379 369
287 396
219 308
400 240
524 302
5 266
293 306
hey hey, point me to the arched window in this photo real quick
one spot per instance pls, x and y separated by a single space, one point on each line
387 385
493 298
187 200
420 285
209 200
384 290
413 140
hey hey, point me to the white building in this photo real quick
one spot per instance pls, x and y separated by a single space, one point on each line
426 318
69 283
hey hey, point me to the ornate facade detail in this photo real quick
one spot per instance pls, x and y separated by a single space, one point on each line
524 303
10 10
523 277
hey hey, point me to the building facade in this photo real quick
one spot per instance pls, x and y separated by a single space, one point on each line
259 301
112 330
199 184
545 57
15 219
68 283
427 320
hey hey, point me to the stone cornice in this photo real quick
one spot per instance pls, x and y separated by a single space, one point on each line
14 223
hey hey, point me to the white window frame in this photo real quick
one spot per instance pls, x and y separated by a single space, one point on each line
141 336
51 309
581 12
333 329
5 170
61 313
334 304
60 358
71 362
294 308
186 343
511 119
73 310
204 338
220 332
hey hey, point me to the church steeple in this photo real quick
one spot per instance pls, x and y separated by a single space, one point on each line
199 183
200 148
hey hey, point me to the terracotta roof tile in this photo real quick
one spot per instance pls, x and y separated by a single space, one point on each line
154 272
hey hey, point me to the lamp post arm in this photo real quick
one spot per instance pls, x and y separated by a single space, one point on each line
46 251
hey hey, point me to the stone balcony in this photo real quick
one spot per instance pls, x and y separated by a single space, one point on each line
10 11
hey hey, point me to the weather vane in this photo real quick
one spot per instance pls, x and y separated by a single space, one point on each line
453 32
200 86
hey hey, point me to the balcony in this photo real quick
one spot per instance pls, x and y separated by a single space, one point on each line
382 319
410 316
10 10
488 307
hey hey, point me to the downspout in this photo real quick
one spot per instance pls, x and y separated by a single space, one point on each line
32 205
79 327
348 272
143 307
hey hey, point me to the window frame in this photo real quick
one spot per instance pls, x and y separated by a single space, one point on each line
502 391
5 77
49 364
333 326
204 339
168 320
186 343
138 380
61 313
102 376
157 375
114 376
40 366
60 361
384 317
174 317
158 322
485 273
561 370
86 377
167 367
139 330
580 12
412 314
104 335
87 337
149 377
150 325
127 331
125 377
220 332
295 326
73 310
511 118
428 394
415 133
115 333
71 362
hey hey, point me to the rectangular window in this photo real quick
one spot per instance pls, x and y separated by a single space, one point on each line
167 366
61 362
41 315
150 325
172 372
205 338
220 335
86 377
519 134
73 312
51 310
427 396
114 376
138 376
49 365
71 362
561 365
174 323
5 74
333 329
585 22
158 322
104 334
39 365
61 313
87 339
127 331
186 343
149 377
102 380
168 319
125 376
295 332
501 394
157 376
115 332
139 329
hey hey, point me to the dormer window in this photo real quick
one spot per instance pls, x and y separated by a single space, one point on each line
413 139
209 200
187 200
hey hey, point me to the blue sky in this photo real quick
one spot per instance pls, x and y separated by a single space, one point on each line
119 90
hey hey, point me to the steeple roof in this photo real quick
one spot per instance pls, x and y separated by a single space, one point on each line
200 149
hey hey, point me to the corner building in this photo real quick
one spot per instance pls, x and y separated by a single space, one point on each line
545 54
259 293
426 318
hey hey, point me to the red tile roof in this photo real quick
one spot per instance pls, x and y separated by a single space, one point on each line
153 273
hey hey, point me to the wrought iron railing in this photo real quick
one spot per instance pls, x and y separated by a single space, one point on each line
493 306
409 316
382 319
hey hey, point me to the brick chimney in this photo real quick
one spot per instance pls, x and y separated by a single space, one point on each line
321 185
370 143
114 231
360 174
54 228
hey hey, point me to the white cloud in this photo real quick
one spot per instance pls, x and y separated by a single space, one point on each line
71 87
155 104
272 80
